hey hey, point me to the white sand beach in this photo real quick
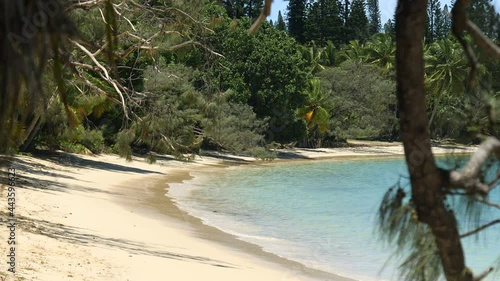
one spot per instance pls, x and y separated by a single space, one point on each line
103 218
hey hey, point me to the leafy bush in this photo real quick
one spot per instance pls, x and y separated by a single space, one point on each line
177 119
75 133
233 126
363 101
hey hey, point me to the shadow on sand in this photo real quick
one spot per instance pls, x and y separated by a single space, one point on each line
78 236
75 235
50 181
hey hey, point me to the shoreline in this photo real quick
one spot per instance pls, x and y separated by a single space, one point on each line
213 233
167 206
113 219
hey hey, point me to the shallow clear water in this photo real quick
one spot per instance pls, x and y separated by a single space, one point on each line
320 213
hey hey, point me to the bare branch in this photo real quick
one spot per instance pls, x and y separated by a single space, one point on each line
496 205
85 66
149 39
467 178
103 18
79 4
142 44
133 48
91 56
190 17
482 227
494 182
191 42
90 84
266 11
484 42
105 76
103 47
126 19
484 274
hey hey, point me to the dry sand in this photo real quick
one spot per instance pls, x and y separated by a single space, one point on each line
102 218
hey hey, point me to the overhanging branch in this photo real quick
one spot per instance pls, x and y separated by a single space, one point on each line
468 177
482 227
266 11
484 274
492 204
194 43
105 76
482 40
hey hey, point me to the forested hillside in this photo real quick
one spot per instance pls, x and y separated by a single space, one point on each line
158 76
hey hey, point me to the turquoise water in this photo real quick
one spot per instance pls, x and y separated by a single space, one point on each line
319 213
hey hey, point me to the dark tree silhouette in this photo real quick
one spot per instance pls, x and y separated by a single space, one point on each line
296 17
280 24
424 223
374 16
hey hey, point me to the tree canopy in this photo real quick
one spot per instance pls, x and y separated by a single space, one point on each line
101 70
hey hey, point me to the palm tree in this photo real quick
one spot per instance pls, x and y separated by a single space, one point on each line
381 51
313 55
315 113
446 70
328 54
354 51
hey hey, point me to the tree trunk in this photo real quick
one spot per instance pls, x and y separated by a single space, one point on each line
36 124
426 181
31 132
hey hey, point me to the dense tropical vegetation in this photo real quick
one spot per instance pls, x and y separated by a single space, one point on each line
161 77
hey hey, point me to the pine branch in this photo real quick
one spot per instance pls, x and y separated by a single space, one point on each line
482 227
492 204
489 203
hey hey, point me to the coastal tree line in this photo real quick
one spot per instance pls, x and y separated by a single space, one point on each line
178 78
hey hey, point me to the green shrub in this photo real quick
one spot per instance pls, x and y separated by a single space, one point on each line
363 101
